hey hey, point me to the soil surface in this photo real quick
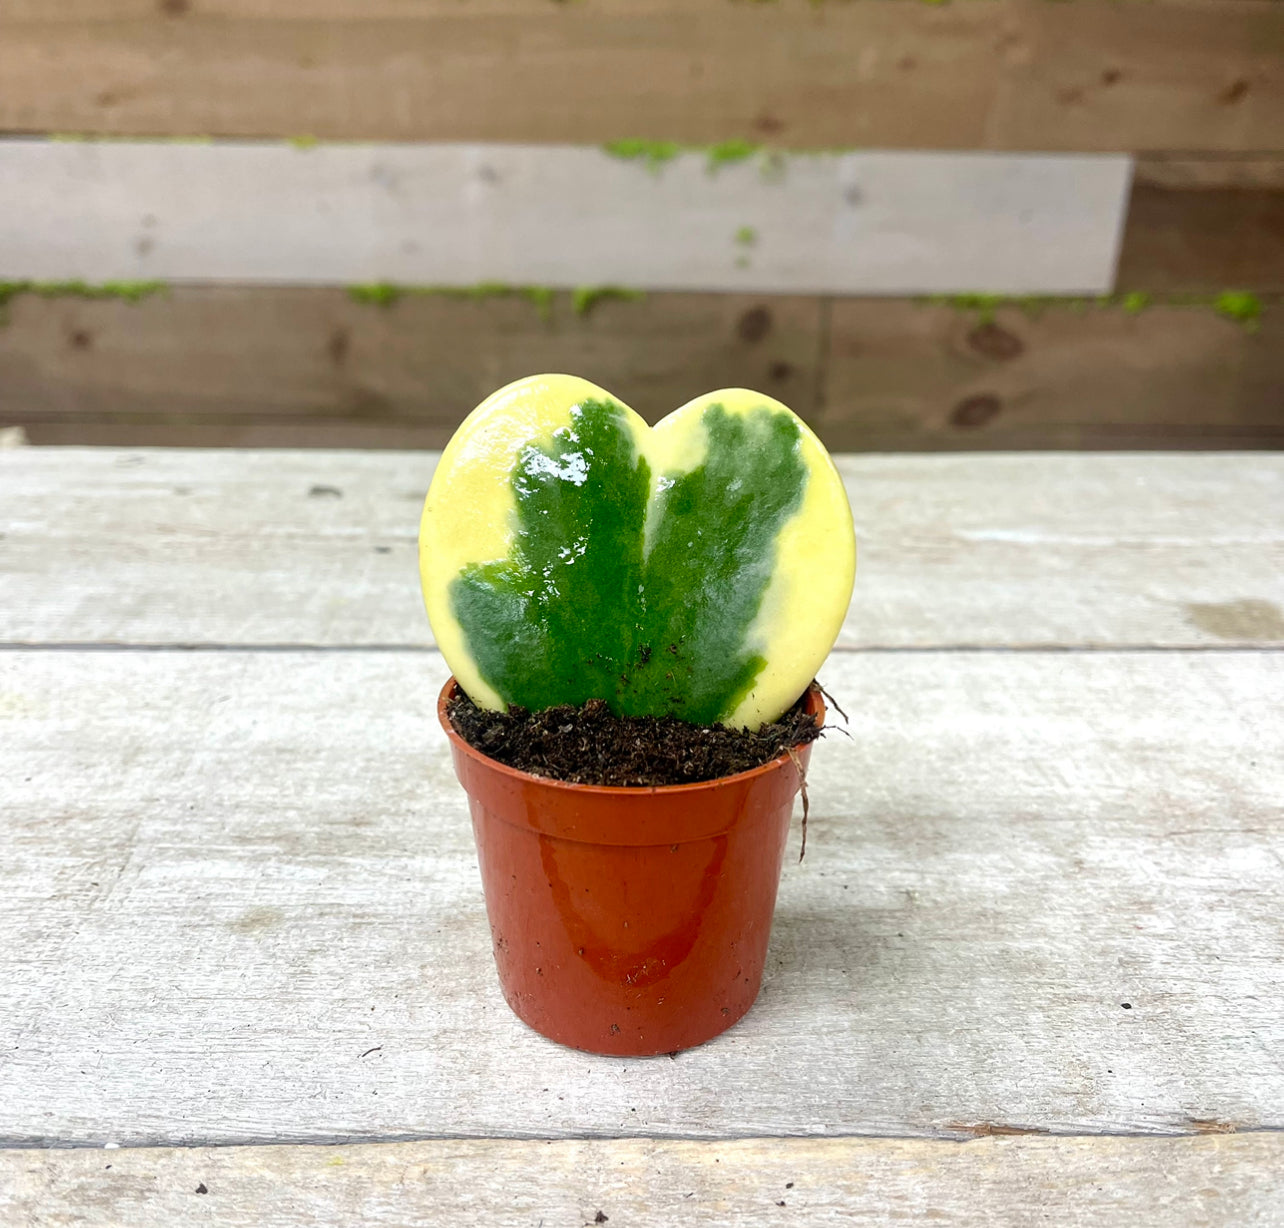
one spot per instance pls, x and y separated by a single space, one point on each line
590 746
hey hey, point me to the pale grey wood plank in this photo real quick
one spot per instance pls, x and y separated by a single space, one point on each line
213 547
239 902
1008 1182
461 214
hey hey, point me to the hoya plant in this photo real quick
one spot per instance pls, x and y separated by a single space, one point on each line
700 569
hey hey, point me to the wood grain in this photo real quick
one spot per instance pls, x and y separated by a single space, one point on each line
855 223
315 548
463 214
309 367
239 902
1008 1182
1203 240
1006 75
1175 170
918 378
312 364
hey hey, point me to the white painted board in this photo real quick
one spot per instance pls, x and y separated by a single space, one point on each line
239 902
644 1183
562 216
213 547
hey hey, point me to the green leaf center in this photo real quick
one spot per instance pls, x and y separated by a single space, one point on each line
640 594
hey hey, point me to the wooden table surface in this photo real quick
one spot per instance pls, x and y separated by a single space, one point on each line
1031 970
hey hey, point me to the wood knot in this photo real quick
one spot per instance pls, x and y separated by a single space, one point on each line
995 342
754 325
976 410
1233 93
337 346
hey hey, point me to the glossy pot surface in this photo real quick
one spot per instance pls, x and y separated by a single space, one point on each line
629 921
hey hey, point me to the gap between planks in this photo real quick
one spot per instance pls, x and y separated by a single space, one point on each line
962 1135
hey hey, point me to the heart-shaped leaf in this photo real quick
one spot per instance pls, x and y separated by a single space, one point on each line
569 552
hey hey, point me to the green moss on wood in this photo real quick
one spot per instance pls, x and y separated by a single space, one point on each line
654 153
129 291
657 154
727 153
541 298
375 294
1239 305
585 298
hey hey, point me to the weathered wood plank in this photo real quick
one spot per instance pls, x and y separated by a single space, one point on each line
1192 239
271 366
1007 1182
1193 224
458 215
173 547
316 363
1005 75
1218 68
917 378
239 902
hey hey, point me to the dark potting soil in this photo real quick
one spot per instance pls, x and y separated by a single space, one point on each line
590 746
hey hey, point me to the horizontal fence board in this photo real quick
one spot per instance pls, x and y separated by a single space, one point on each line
458 215
908 377
310 548
1003 75
239 902
308 360
1005 1182
267 366
1204 224
1203 240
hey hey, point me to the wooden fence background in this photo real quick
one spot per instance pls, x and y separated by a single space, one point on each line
343 222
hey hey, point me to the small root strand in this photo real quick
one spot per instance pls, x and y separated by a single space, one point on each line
802 781
833 702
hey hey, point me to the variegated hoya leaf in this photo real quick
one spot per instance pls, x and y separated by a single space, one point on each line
699 569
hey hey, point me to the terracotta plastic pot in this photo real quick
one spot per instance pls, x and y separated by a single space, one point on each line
629 921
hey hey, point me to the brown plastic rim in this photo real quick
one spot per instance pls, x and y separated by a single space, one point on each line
629 921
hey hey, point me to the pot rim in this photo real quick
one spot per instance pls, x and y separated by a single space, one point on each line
815 704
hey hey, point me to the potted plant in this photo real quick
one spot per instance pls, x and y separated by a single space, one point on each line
631 586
